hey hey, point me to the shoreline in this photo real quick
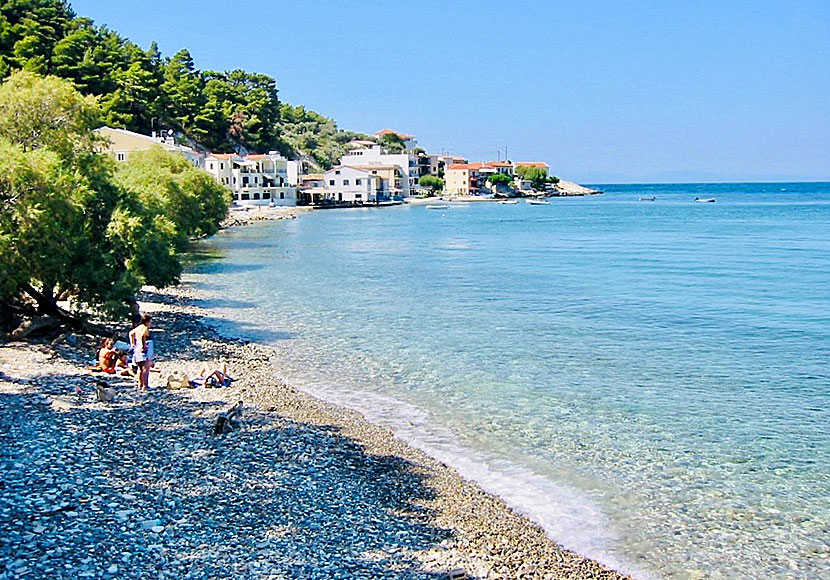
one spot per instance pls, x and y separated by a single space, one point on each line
469 529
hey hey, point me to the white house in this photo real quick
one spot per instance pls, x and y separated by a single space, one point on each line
253 179
122 143
407 164
343 184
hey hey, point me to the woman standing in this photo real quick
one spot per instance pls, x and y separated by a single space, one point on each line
142 350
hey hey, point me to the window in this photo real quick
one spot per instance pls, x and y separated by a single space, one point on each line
246 196
121 156
211 165
345 182
236 196
234 179
337 172
282 195
256 195
331 182
221 166
245 181
266 195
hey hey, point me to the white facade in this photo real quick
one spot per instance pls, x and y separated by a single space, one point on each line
344 184
254 179
407 163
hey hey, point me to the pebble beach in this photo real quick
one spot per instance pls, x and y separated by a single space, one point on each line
140 487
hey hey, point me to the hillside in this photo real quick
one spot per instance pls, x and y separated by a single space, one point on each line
143 90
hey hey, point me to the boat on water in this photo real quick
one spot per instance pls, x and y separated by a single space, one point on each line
438 206
651 198
538 202
705 199
509 202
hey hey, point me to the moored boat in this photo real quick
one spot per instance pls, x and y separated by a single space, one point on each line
537 202
509 202
650 198
438 206
705 199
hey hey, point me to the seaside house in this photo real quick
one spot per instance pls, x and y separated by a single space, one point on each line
344 184
122 143
253 179
503 167
406 177
310 189
462 179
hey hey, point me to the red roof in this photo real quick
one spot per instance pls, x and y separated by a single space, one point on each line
465 166
498 164
224 155
532 164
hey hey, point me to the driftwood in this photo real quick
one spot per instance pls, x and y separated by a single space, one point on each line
228 420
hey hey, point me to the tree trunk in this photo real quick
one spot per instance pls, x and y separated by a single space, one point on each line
48 306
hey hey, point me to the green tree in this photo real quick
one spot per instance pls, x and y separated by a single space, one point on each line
66 225
392 142
168 185
536 175
184 91
500 179
435 184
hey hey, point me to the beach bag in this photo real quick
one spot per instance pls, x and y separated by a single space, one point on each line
177 380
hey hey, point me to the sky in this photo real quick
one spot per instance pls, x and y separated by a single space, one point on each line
604 91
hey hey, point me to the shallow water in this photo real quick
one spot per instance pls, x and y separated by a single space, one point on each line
648 380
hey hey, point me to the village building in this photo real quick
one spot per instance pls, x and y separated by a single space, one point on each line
344 184
404 184
121 144
462 179
253 179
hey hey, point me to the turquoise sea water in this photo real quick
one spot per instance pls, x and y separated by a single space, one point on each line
650 381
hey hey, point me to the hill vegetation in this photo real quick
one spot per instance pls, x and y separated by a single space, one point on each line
142 90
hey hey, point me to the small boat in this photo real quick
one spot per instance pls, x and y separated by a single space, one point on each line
705 199
652 198
438 206
538 202
509 202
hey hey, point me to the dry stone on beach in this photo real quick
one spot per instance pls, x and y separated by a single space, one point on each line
140 487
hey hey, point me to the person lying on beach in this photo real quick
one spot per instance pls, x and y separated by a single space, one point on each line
213 376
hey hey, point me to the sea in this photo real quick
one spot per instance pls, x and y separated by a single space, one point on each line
647 380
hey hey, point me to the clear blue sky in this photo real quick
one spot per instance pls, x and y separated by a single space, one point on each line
603 91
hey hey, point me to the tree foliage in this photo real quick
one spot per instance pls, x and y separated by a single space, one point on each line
309 133
141 90
393 142
169 186
500 179
435 184
67 225
536 175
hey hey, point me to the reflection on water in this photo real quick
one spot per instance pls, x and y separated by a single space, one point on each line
648 381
